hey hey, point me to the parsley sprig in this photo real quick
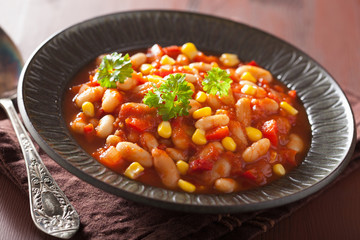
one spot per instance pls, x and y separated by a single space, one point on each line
217 81
113 68
172 98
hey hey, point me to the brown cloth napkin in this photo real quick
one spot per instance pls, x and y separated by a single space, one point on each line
105 216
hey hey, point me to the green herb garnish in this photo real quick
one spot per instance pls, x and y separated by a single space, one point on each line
172 98
217 81
113 68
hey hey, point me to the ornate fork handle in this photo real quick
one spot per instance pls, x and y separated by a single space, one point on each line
51 211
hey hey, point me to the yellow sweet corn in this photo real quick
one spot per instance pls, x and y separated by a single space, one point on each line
200 96
88 109
164 129
189 50
202 112
134 170
229 59
253 134
199 137
229 144
182 167
248 77
146 68
288 108
279 169
154 78
248 89
191 86
166 60
186 186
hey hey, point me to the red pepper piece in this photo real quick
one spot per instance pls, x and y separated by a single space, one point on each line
201 164
217 133
270 131
139 124
172 51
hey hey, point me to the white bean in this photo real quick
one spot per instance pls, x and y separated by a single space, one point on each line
209 122
111 157
195 105
213 101
190 78
238 134
228 99
91 94
243 111
149 141
128 84
256 150
295 143
111 100
257 72
225 185
138 59
166 168
204 67
105 126
113 140
176 154
132 152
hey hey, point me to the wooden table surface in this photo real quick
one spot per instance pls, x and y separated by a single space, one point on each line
328 30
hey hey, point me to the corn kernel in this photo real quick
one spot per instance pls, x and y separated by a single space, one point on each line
221 111
253 134
186 186
229 144
200 96
199 137
164 129
288 108
214 64
248 89
154 78
202 112
146 68
248 76
166 60
88 109
191 86
279 169
134 170
182 167
189 50
229 59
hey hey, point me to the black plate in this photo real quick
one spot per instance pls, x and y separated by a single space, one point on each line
47 73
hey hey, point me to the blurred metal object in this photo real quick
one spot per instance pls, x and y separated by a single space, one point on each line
50 209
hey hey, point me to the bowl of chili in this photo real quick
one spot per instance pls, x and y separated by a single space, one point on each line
46 79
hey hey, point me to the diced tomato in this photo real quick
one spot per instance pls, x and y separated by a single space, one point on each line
205 162
292 93
288 156
217 133
201 57
139 124
201 164
255 175
278 88
252 63
162 72
89 128
172 51
270 131
138 76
